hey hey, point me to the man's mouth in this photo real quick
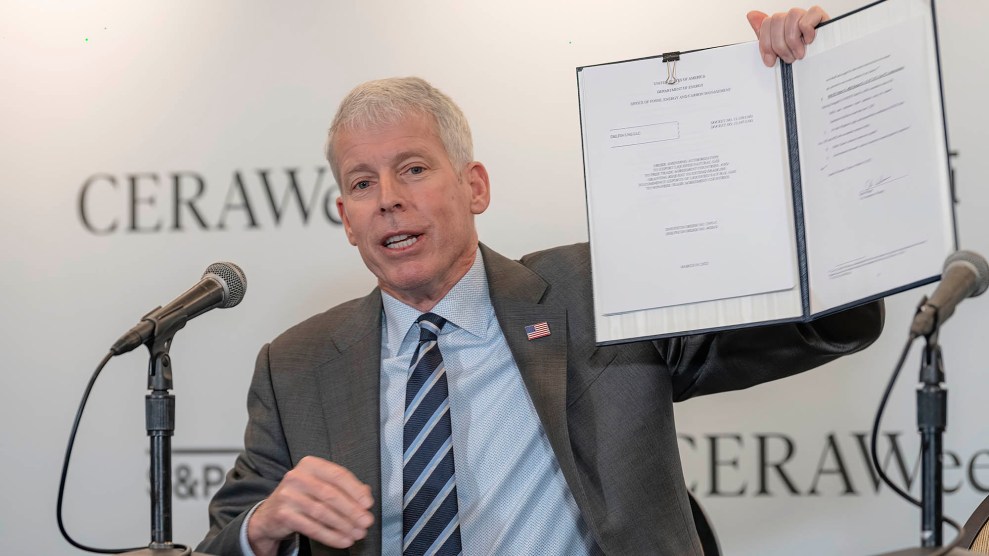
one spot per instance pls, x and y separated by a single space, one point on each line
401 241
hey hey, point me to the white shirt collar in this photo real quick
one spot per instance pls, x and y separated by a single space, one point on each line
467 306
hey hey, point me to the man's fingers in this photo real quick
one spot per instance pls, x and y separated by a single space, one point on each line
777 34
336 507
792 34
330 536
293 512
293 507
317 498
758 21
341 477
324 483
809 22
766 42
323 519
756 18
785 35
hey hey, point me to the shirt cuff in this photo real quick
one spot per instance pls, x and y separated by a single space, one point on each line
286 548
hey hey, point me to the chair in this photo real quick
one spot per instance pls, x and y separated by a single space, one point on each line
709 540
976 537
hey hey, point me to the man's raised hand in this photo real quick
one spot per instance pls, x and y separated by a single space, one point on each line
785 35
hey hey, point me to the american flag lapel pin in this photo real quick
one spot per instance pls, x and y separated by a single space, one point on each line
537 330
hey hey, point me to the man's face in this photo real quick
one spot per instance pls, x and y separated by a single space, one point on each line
407 209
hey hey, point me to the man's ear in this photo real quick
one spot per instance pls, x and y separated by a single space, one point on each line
342 211
480 187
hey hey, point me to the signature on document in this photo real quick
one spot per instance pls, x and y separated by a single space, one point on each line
877 185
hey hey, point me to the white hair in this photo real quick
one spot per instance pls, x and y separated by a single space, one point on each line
390 101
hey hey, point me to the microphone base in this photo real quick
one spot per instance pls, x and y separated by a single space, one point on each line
164 552
928 550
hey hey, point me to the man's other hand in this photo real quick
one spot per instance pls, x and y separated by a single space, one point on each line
318 499
785 35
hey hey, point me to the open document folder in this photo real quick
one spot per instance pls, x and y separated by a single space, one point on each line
722 193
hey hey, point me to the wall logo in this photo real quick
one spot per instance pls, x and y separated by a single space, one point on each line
771 464
182 201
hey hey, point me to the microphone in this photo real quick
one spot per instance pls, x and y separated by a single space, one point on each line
222 285
966 274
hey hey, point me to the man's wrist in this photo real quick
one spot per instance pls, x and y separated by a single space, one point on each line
258 547
265 547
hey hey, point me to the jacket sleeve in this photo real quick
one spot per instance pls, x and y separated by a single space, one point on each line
258 468
737 359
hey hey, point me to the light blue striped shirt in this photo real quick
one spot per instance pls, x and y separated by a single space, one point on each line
511 492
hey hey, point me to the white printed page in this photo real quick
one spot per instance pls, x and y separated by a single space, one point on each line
688 191
873 162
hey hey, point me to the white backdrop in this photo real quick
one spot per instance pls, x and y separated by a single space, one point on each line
207 102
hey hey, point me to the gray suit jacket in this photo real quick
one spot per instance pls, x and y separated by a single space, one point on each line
606 410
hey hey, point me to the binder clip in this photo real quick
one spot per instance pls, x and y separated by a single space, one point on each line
670 59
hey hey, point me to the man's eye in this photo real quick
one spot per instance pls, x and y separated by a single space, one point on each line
363 184
416 170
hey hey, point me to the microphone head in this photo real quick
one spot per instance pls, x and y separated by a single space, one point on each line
977 262
234 283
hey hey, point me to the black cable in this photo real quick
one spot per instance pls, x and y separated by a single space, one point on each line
874 445
65 469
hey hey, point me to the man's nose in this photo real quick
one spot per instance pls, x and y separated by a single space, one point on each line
391 193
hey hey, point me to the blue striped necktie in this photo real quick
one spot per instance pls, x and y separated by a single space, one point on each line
429 517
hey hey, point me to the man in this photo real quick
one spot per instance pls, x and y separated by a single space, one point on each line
425 418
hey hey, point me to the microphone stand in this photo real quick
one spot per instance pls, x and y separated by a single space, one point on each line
159 413
932 418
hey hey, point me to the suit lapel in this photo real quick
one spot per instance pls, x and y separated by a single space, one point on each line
542 363
350 388
516 293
